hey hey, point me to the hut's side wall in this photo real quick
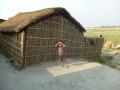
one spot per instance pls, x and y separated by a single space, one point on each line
13 44
42 37
92 51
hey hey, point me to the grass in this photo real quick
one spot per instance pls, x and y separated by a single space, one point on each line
105 58
110 57
112 38
109 33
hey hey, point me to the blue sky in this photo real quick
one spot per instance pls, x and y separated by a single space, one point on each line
88 12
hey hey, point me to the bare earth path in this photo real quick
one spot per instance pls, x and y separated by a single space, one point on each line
80 75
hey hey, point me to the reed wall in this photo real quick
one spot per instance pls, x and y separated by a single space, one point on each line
13 44
91 51
42 37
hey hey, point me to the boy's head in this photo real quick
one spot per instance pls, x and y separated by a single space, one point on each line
60 44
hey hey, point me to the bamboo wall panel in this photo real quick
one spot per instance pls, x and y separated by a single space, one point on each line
42 37
11 42
93 52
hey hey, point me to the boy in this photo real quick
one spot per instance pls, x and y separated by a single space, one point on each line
61 47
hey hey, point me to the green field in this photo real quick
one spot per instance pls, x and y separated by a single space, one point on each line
109 33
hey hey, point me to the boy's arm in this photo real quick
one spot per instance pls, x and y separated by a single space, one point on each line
56 45
64 45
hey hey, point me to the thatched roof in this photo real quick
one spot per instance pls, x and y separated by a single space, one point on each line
22 20
2 20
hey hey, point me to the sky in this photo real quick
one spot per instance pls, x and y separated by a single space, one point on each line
90 13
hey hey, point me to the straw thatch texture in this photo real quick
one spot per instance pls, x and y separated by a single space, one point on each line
22 20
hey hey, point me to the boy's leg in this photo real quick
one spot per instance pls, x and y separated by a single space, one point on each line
65 63
62 61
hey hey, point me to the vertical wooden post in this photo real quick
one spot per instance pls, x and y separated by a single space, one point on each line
25 46
62 27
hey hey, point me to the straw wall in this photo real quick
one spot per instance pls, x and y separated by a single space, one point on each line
42 37
13 44
92 52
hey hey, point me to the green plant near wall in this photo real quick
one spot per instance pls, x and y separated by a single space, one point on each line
105 58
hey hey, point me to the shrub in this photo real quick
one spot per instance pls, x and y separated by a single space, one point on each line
105 58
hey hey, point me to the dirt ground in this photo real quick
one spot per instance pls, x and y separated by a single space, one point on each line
81 75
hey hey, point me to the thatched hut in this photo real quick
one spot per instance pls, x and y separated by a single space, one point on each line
30 37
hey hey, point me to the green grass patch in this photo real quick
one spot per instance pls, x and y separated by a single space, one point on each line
105 58
112 38
110 34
